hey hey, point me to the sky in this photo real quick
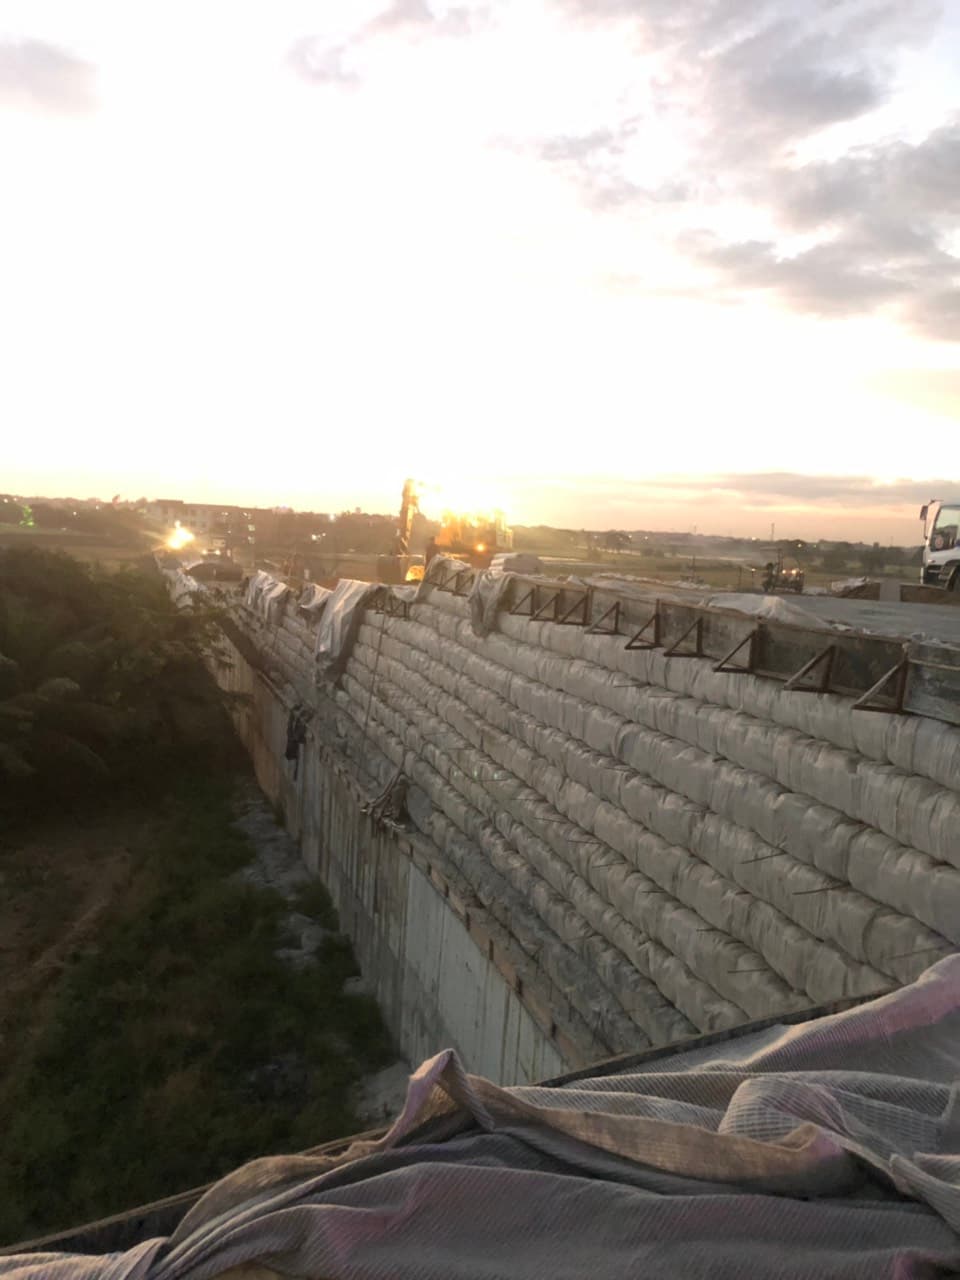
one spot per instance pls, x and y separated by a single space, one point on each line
608 263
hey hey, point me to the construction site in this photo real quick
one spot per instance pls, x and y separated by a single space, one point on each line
661 815
576 821
582 827
565 820
480 641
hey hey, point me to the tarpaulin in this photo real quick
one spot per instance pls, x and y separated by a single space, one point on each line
313 600
341 617
824 1151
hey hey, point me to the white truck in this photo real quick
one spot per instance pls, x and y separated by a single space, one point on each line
941 543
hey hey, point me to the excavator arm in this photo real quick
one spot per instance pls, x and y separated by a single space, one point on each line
409 507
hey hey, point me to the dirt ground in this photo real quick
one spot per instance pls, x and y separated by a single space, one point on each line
54 887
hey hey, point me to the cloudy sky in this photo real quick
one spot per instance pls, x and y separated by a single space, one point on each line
654 263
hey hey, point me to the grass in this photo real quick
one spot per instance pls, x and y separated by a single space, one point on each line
173 1045
312 899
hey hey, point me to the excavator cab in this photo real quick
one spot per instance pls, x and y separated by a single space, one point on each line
474 538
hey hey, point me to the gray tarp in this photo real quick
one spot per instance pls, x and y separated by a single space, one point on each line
313 600
339 622
487 592
486 600
827 1150
266 596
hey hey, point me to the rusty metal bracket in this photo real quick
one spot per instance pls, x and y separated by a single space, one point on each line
676 652
726 663
654 620
538 614
598 629
396 608
389 605
582 607
824 660
529 597
897 676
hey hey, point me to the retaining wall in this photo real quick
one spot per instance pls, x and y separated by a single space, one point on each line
444 973
600 849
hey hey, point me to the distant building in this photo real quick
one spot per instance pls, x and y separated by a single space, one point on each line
199 518
212 524
227 527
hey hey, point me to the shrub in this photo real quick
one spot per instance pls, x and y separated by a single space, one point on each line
101 679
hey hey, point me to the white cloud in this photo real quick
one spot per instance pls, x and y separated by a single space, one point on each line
531 237
744 89
38 75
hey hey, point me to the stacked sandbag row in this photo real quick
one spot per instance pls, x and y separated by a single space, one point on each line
674 838
676 849
873 820
286 645
527 914
659 835
556 864
918 801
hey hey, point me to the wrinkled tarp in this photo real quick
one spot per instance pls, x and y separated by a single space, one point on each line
516 562
828 1151
255 587
266 595
773 609
339 623
273 601
487 593
486 600
313 599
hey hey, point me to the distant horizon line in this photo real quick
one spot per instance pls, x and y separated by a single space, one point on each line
688 534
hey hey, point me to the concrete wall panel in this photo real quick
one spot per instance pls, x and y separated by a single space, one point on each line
602 848
437 988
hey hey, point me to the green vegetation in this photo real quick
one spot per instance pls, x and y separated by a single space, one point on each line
176 1045
152 1038
116 524
312 899
100 681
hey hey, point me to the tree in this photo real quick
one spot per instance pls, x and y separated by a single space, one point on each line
616 540
834 561
97 672
873 559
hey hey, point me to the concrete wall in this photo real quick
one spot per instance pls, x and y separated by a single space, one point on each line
444 974
602 847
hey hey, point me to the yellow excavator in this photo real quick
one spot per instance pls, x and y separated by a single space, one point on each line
473 538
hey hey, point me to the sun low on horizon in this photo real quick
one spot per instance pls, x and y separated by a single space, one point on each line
617 262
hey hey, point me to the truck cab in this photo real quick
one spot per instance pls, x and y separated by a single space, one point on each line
941 543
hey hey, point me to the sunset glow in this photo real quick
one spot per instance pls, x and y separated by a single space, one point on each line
593 267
